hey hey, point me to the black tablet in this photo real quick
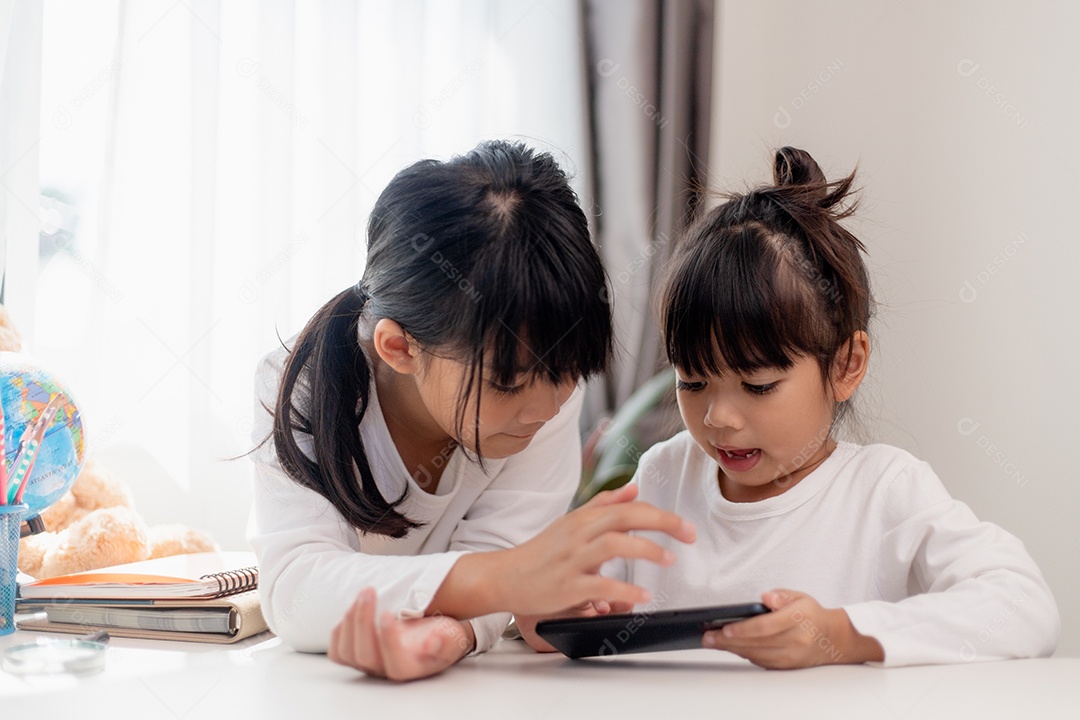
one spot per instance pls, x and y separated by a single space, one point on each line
640 632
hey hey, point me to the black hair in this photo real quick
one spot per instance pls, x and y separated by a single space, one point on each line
484 258
768 276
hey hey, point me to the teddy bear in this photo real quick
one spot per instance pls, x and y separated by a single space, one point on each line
10 340
95 524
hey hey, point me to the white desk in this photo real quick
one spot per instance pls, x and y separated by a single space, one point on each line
262 678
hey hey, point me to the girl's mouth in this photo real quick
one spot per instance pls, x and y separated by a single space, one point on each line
738 459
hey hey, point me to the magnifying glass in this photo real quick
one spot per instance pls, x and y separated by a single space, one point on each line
79 656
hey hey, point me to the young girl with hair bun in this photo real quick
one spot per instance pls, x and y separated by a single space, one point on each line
859 551
420 435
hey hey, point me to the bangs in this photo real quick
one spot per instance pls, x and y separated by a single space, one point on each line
737 302
538 296
544 315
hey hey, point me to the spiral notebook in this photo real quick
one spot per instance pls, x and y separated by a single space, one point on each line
197 575
211 620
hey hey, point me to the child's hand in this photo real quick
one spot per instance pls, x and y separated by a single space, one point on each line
559 568
797 633
397 649
527 623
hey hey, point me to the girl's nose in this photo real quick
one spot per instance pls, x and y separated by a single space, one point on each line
722 414
545 400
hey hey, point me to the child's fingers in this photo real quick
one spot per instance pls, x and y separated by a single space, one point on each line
417 648
391 647
788 649
766 625
616 592
779 598
765 655
619 545
753 629
433 646
717 639
341 637
640 517
352 640
783 616
797 633
736 639
366 638
626 493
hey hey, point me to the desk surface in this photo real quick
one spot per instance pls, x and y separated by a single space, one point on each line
262 678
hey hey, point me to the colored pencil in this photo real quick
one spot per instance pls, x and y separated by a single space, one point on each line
24 463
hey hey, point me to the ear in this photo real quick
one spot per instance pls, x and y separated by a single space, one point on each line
849 370
395 347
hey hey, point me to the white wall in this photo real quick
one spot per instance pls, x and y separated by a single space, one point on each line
964 119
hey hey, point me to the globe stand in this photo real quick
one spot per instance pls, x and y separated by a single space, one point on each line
31 526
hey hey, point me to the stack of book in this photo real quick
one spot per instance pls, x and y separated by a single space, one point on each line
201 597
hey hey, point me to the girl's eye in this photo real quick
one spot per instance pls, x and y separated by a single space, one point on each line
687 386
759 389
506 390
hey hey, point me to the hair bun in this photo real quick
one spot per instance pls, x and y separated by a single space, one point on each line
795 167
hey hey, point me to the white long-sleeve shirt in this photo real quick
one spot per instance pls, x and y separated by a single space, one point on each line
871 530
312 562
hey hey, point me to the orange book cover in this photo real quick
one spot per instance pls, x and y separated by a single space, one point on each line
208 574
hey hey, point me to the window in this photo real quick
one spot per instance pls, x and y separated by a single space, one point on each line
205 180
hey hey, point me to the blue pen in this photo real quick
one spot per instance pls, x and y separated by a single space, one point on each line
3 458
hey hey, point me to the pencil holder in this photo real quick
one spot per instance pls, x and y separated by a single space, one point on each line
11 517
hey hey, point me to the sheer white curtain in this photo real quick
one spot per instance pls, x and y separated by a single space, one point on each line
20 73
242 146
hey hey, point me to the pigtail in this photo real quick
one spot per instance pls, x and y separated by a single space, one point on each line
329 370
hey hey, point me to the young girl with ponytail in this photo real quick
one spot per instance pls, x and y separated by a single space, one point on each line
765 314
421 433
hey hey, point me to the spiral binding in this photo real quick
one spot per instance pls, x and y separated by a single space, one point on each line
234 581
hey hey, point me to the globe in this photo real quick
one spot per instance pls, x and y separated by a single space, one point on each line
25 390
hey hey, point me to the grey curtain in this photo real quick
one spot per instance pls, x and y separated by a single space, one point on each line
649 65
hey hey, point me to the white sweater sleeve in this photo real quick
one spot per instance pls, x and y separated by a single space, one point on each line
532 489
973 591
310 562
311 567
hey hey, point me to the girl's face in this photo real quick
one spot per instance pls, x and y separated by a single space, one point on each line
509 416
767 430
